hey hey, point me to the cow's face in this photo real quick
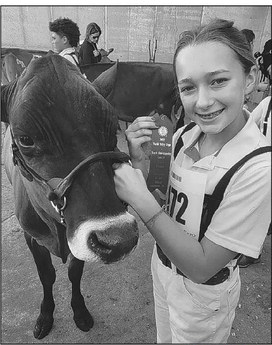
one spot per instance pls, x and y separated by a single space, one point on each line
58 120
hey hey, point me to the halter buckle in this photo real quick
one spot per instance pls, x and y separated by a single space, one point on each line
60 208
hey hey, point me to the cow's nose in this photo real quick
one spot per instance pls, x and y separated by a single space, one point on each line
107 239
114 243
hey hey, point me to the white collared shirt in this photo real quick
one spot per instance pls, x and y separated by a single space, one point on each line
66 54
242 220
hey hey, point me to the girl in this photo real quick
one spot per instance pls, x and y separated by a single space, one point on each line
196 280
88 52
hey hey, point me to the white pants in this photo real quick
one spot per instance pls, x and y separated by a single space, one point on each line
187 312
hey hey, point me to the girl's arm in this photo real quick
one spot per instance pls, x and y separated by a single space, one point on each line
186 253
199 261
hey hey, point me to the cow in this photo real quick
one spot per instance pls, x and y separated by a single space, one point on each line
15 60
58 153
138 88
92 71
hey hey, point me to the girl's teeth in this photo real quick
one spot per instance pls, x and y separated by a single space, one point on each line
210 116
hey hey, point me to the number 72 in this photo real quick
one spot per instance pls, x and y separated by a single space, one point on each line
182 199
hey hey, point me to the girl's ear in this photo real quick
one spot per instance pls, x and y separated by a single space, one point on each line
251 80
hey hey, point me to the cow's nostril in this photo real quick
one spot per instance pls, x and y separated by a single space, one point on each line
95 242
112 244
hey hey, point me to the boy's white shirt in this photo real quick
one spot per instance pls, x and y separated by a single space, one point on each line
66 54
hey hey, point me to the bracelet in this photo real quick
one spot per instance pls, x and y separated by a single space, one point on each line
152 220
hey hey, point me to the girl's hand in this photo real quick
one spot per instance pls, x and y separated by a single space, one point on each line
137 134
130 184
96 53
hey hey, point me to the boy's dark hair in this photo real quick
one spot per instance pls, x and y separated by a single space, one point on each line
66 27
249 35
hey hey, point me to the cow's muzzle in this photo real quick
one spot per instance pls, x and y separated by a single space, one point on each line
109 239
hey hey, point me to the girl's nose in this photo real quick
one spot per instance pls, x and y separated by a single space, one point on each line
204 98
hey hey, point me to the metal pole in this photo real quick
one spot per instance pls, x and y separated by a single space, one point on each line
106 27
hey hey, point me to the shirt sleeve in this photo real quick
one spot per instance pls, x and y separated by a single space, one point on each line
242 220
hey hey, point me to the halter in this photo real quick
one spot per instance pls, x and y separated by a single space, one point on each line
57 187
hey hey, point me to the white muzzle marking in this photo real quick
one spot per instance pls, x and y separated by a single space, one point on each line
78 243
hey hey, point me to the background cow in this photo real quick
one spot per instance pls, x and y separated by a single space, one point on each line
58 152
15 60
137 88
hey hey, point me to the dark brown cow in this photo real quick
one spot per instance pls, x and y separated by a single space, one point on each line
15 60
92 71
58 153
138 88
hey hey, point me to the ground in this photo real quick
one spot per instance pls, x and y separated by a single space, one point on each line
119 296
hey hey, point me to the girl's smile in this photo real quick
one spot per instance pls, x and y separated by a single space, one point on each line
212 86
210 116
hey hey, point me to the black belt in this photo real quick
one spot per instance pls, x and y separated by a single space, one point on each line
218 278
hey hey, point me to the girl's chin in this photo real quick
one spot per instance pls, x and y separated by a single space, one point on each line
210 129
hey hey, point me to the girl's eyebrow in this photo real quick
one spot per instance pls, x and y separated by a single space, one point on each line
210 74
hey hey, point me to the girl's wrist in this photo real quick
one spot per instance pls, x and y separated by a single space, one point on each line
146 206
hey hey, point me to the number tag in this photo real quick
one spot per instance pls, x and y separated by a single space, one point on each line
185 198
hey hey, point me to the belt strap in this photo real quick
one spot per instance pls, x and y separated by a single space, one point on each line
218 278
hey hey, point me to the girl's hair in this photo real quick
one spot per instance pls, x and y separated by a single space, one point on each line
249 35
219 30
92 28
66 27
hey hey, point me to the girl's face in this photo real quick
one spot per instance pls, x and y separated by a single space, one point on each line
58 42
94 37
212 86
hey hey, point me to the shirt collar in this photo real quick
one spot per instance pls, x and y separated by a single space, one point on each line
245 141
67 51
241 144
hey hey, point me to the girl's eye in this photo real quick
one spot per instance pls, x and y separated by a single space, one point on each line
26 141
219 81
186 89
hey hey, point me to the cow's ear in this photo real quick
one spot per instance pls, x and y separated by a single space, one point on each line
6 96
105 82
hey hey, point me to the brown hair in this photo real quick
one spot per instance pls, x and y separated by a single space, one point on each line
92 28
219 30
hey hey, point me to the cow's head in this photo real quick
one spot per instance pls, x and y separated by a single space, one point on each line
58 120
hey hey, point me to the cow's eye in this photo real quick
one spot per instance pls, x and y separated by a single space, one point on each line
26 141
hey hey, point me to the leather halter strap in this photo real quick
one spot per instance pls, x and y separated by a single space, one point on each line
57 187
66 182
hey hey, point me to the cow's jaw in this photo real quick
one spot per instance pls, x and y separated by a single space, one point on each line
108 239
